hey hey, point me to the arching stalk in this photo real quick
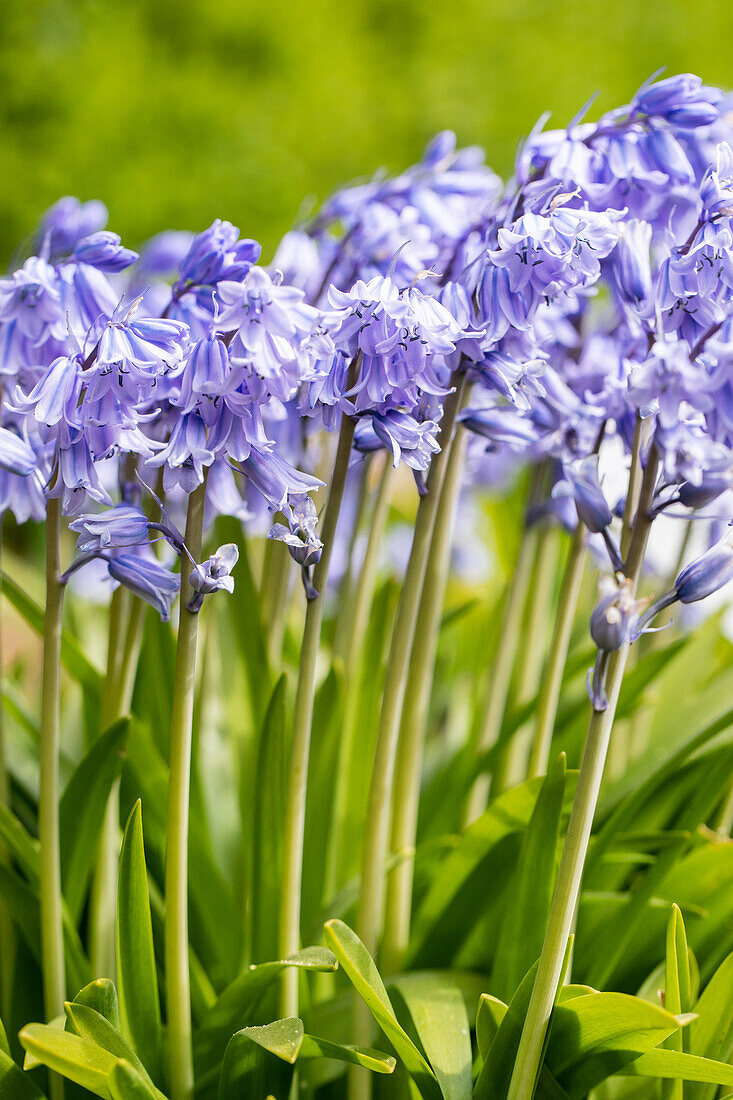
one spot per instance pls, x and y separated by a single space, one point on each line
290 902
408 769
178 988
557 656
567 888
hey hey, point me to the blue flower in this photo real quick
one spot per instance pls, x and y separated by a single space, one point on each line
216 254
148 579
301 538
213 575
708 573
16 454
275 479
67 222
614 616
681 100
31 297
104 251
580 481
122 525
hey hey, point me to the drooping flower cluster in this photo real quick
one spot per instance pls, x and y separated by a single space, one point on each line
590 303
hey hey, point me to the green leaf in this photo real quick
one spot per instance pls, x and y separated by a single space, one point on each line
686 1067
677 987
82 810
74 660
496 1072
359 967
241 999
436 1007
711 1034
594 1036
101 995
78 1059
457 896
125 1083
136 972
375 1060
270 795
22 897
14 1083
525 917
251 1070
491 1012
91 1025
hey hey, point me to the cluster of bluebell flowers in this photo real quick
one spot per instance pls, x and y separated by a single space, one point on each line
589 303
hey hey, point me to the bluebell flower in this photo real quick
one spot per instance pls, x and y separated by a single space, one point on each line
16 454
580 481
301 538
163 253
31 297
104 251
631 266
215 254
67 222
213 575
615 615
275 479
406 438
681 100
708 573
122 525
144 576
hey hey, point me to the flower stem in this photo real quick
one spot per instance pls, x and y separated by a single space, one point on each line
352 647
7 927
511 761
408 767
274 597
498 688
178 989
343 632
632 493
552 676
52 937
302 724
567 887
376 839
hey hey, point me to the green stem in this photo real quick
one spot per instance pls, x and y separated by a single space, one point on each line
122 660
511 761
567 887
344 616
408 767
274 597
632 494
302 726
7 926
498 688
178 987
376 839
52 936
352 649
557 656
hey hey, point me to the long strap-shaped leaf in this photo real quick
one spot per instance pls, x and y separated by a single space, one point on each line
359 966
136 972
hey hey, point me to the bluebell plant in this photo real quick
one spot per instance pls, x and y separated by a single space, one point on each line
577 319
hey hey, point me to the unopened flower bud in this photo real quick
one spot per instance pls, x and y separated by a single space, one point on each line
614 617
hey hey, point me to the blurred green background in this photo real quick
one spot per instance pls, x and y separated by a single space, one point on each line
177 112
